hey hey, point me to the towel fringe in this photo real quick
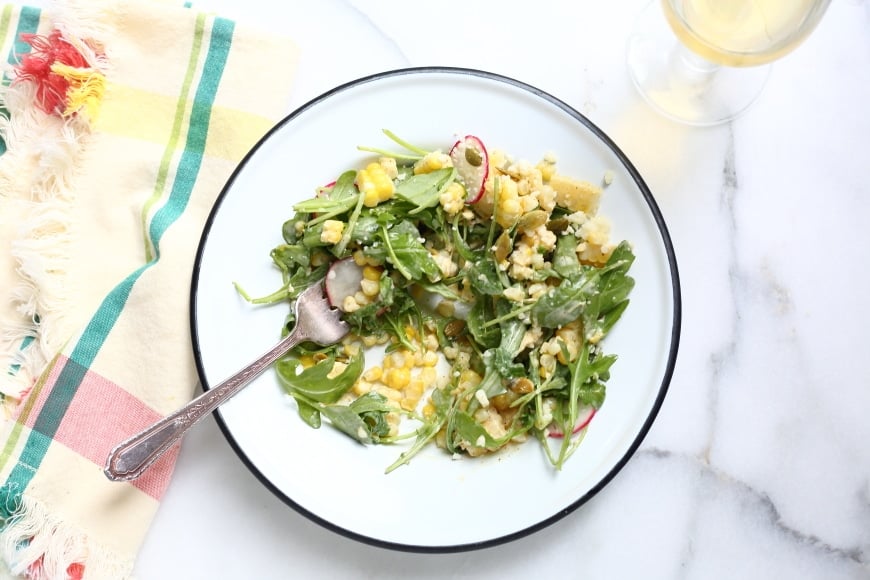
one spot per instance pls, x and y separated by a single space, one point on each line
40 546
41 251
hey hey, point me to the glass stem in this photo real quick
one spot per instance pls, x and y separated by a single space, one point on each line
690 70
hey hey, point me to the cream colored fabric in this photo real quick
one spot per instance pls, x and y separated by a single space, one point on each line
99 223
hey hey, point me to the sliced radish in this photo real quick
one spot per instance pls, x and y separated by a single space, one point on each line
584 417
342 280
472 166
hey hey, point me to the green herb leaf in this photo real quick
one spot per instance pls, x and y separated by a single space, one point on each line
483 275
309 413
348 422
566 302
313 382
341 198
365 419
565 261
424 190
372 408
481 312
467 430
407 253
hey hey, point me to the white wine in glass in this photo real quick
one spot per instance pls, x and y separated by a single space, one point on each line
704 62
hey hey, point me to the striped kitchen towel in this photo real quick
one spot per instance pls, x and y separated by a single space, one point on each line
121 121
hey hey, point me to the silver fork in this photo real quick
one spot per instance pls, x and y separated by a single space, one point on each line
316 321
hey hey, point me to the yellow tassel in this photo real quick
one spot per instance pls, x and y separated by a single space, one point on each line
86 90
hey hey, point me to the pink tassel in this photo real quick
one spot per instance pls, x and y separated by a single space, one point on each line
36 67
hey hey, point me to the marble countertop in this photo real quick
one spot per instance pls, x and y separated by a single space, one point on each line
758 465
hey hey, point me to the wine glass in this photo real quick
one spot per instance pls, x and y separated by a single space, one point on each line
704 62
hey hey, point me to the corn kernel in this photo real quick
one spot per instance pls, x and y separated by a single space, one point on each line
511 207
369 272
361 387
373 374
547 170
415 387
469 378
349 304
428 375
371 198
332 230
391 394
390 167
395 360
374 184
430 342
430 358
528 203
370 288
453 198
397 378
432 162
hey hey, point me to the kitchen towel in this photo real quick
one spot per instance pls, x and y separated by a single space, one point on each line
121 122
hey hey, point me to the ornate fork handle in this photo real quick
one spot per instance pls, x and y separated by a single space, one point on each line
129 459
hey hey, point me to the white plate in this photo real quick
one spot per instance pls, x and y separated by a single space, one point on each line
435 503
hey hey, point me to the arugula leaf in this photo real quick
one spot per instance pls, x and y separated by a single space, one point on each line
363 420
512 329
607 305
407 253
287 256
502 362
469 431
483 275
308 412
313 382
481 312
425 189
373 408
566 302
365 229
565 261
341 198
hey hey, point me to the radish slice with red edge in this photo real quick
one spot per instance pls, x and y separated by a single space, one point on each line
583 420
342 280
471 161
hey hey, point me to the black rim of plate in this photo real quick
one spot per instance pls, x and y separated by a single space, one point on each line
675 328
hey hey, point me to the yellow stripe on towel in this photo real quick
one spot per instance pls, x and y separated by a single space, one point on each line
153 121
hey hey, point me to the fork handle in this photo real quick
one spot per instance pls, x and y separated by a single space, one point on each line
130 458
